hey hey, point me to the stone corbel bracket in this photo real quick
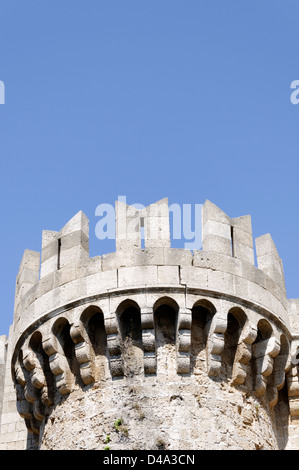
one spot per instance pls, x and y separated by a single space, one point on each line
59 365
264 353
215 342
84 353
243 354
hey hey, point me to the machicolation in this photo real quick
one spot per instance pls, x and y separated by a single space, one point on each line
151 347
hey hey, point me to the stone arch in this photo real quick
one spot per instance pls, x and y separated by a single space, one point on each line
262 356
129 322
165 320
25 399
42 374
92 352
282 361
61 331
165 316
24 372
281 364
202 313
29 394
92 319
264 331
166 300
35 342
236 320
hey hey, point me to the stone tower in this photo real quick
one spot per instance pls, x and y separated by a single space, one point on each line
151 347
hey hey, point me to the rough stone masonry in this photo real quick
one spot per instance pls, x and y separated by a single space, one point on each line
151 347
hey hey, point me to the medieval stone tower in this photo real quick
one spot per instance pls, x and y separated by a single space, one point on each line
151 347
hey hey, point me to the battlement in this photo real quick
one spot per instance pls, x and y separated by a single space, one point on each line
151 314
227 246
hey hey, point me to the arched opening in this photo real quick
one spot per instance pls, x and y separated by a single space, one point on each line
264 331
259 346
61 330
202 313
22 377
236 320
48 391
27 394
280 363
129 320
277 378
93 321
165 320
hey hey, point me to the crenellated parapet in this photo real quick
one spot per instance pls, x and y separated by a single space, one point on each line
152 315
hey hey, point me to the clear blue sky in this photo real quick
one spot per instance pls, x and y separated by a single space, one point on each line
146 98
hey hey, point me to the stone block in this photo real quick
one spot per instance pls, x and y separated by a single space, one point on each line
137 275
194 277
221 282
217 244
177 257
28 274
268 259
168 275
149 256
218 229
100 282
243 252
